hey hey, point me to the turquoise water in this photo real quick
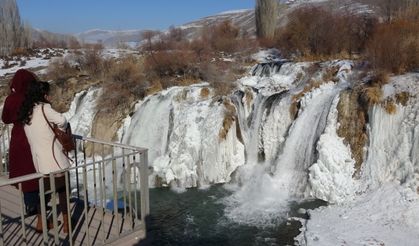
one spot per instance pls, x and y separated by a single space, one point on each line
196 217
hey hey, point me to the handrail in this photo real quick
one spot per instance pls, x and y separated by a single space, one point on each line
78 137
11 181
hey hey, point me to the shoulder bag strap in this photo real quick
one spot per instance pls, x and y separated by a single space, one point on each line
55 138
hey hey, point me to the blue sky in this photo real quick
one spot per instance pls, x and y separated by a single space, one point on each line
73 16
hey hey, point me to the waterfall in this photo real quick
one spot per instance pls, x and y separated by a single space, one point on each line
181 130
267 69
269 187
82 111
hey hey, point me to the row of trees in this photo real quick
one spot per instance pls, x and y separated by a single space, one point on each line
13 32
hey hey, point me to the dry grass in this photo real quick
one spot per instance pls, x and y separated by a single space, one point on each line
249 96
379 78
372 95
154 87
352 118
204 93
402 98
294 107
229 119
389 106
330 74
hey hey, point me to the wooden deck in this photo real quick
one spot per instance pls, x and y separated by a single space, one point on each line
99 233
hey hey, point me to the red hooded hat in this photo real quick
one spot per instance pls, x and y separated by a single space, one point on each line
18 87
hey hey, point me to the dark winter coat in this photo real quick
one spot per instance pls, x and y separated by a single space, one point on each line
20 157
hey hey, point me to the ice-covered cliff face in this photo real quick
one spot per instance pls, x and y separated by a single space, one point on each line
393 151
181 128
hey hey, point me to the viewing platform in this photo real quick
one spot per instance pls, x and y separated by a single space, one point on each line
107 198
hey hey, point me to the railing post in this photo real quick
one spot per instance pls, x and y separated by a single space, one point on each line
70 225
1 228
124 188
77 173
86 212
54 207
114 189
128 185
94 175
22 214
1 159
135 187
145 208
43 210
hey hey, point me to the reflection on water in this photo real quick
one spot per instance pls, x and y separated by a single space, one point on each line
196 217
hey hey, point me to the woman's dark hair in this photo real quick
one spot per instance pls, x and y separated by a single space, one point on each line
34 95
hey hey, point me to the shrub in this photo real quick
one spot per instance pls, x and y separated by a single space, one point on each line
314 32
60 70
394 46
124 83
163 64
220 78
91 60
20 52
222 37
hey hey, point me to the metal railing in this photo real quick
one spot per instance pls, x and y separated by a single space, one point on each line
4 148
109 178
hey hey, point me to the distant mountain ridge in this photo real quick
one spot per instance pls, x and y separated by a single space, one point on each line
111 38
243 18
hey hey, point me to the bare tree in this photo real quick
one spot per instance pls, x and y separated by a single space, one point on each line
266 13
13 33
148 35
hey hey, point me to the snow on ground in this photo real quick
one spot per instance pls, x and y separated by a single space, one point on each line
42 59
387 216
117 53
238 11
32 63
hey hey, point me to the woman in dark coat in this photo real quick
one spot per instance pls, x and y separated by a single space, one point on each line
20 157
